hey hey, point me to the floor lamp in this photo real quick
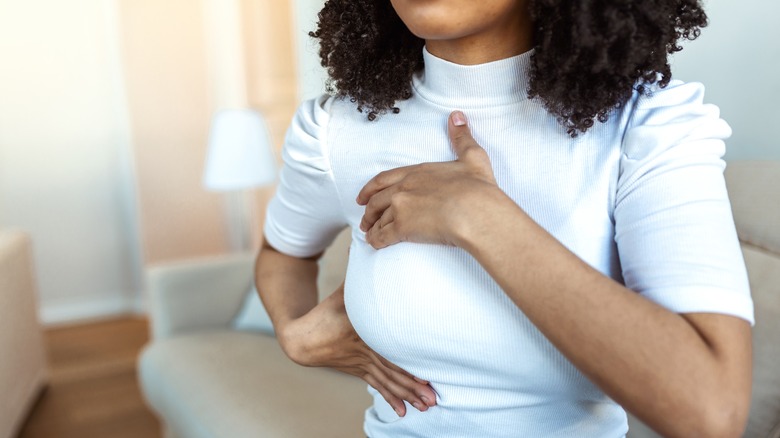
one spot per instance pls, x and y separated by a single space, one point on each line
240 158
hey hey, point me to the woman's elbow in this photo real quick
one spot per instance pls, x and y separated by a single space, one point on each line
722 413
725 417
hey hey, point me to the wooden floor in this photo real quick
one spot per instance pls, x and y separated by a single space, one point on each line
93 390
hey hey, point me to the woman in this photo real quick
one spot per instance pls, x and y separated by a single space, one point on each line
536 275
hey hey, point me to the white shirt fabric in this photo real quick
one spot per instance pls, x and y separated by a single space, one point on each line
640 198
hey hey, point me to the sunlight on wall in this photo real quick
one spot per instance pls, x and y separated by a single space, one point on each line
63 173
104 119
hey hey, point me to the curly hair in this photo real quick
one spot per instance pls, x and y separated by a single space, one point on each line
589 55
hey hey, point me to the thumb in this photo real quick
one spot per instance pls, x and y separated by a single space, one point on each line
460 134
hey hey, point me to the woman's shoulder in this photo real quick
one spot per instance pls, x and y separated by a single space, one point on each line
675 93
320 111
307 138
314 113
305 141
677 101
659 118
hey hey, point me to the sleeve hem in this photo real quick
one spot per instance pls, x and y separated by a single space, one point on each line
278 243
704 300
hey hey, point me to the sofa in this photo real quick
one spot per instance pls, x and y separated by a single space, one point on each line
23 368
205 379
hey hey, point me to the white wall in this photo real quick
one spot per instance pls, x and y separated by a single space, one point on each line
737 58
65 170
311 76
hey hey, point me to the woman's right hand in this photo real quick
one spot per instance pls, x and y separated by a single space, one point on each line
324 337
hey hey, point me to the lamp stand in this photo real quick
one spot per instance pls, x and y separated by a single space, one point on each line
240 218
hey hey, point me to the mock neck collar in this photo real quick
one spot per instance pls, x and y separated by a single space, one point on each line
473 86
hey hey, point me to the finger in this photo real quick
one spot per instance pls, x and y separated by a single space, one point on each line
386 219
396 403
383 236
422 387
466 148
460 134
375 208
382 181
399 384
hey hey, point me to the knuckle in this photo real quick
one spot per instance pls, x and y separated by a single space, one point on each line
398 199
473 153
382 178
460 134
371 205
409 394
373 240
365 190
462 138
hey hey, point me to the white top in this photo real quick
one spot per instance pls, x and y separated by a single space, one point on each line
641 198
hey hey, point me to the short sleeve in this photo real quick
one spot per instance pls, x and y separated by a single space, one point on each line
305 215
674 228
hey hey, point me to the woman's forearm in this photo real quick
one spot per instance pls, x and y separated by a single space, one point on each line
660 365
683 374
287 285
320 334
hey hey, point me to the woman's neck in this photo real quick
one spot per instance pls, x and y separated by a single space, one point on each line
509 39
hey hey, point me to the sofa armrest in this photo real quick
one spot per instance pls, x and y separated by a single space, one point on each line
23 368
197 294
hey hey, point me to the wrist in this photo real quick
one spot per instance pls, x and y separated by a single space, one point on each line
488 213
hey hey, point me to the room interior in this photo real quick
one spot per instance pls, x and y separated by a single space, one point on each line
107 117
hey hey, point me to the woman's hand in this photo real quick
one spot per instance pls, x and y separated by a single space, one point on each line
433 202
324 337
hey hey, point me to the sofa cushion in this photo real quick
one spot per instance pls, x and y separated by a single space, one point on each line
225 383
253 316
764 272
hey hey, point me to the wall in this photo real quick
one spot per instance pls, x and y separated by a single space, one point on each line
737 58
104 118
184 61
65 176
272 82
164 50
311 76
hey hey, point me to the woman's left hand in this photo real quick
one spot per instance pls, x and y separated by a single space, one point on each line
432 202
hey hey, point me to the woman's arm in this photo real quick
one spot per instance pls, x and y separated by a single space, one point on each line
683 374
321 335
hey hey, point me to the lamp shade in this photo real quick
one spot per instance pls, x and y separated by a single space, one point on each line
240 154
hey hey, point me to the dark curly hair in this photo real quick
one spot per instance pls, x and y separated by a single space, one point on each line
588 55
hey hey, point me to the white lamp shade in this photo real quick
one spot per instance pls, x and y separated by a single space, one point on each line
240 154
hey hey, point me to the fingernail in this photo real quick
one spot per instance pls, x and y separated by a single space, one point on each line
425 400
399 412
458 118
417 406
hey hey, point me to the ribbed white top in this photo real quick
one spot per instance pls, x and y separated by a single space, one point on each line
640 198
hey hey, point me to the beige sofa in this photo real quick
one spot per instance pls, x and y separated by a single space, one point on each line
23 369
206 380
